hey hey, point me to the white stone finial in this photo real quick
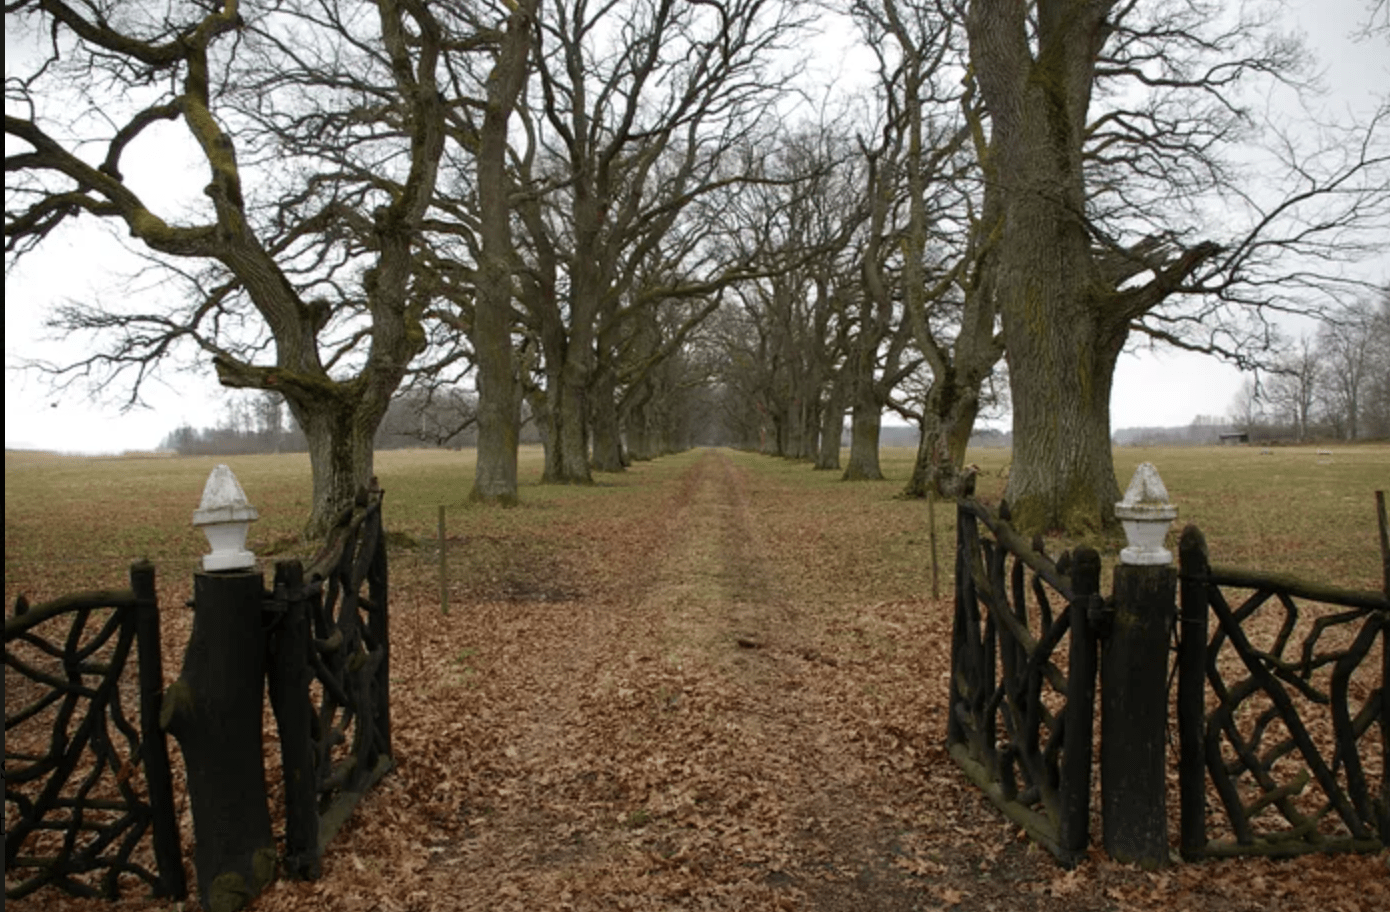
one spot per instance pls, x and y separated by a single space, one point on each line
1146 515
224 516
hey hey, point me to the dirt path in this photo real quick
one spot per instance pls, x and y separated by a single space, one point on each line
682 736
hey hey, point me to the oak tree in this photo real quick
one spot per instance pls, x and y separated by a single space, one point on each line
321 127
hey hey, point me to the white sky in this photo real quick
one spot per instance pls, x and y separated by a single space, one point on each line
1150 389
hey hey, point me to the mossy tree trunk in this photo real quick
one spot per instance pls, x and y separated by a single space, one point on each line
832 428
947 422
1064 316
499 406
603 411
865 425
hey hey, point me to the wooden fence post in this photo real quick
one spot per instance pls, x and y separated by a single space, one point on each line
1384 527
1192 679
154 750
214 708
1080 709
443 565
289 677
1134 671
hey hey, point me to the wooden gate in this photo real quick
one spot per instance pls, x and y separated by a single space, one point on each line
1277 703
1022 705
329 678
88 796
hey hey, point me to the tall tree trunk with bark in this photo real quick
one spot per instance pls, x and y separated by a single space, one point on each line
499 403
640 441
1060 356
603 415
865 420
832 428
1064 309
340 433
947 422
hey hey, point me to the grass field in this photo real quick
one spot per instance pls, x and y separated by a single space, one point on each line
713 681
78 522
75 522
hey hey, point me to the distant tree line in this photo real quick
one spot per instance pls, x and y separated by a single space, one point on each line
1203 430
260 423
1331 385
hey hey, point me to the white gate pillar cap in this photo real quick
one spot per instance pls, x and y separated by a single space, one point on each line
1146 515
224 516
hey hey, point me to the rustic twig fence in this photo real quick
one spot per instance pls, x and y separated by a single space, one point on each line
84 804
1277 729
88 785
1283 790
328 630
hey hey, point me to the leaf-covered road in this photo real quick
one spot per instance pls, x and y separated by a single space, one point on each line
708 683
679 711
703 688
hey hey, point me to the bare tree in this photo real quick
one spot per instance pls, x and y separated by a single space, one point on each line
322 126
499 400
946 243
1377 19
644 108
1247 413
1349 345
805 228
1294 384
1107 125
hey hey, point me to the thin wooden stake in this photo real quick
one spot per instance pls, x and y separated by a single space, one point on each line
935 563
443 565
1384 540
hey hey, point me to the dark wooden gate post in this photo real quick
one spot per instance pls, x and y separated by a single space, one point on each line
1133 682
214 708
154 752
1384 822
1081 700
289 680
1192 680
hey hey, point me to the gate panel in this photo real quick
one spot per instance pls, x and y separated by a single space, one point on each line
1021 710
84 785
1276 704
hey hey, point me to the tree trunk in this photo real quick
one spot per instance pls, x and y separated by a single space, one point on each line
499 405
1063 473
947 422
569 416
1050 293
864 432
810 424
499 428
340 436
639 437
603 410
831 430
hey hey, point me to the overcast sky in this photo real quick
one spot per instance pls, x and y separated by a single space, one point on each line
1151 389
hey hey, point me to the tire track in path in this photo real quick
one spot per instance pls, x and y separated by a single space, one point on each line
799 809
